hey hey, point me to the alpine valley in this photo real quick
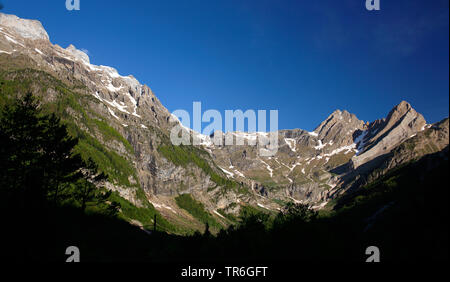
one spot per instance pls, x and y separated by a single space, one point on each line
337 170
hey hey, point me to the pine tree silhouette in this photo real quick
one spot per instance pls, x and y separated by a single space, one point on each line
21 128
207 232
37 160
87 190
61 166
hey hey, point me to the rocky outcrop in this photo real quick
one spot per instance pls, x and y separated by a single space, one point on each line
30 29
338 130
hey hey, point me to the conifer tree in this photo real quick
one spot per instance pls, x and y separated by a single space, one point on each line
87 190
60 165
21 127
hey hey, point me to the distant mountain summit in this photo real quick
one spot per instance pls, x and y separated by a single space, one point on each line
401 123
29 29
123 125
338 130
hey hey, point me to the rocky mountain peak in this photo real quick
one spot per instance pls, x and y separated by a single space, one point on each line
403 114
30 29
403 107
338 128
401 123
78 53
399 111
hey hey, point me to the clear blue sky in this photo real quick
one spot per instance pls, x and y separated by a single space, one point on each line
304 58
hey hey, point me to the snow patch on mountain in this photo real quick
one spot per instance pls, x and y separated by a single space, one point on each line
162 206
347 150
291 143
239 173
113 114
359 142
112 88
230 174
39 51
217 213
320 146
134 103
262 206
12 40
117 106
268 168
96 95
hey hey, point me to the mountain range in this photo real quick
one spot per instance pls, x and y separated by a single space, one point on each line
125 129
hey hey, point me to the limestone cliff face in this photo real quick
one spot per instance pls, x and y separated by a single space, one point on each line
432 139
30 29
401 123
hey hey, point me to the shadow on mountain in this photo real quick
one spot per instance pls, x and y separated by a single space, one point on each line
342 169
358 177
415 170
404 214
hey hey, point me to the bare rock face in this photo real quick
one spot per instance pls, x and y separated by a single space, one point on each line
401 123
78 53
301 167
30 29
431 140
337 130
